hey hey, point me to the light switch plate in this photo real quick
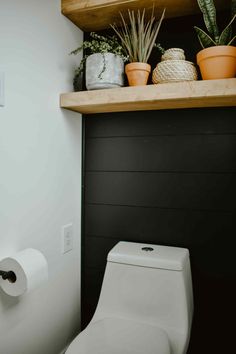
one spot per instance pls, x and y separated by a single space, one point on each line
1 89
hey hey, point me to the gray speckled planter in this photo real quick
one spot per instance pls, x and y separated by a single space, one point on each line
113 76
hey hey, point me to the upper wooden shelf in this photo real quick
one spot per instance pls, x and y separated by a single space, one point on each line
192 94
94 15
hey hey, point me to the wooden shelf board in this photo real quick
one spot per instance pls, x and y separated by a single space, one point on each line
192 94
94 15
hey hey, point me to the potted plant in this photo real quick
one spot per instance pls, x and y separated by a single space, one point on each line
138 39
217 59
103 62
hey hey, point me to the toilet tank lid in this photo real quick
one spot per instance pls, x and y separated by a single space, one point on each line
146 255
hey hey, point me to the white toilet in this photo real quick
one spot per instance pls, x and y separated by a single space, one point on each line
145 305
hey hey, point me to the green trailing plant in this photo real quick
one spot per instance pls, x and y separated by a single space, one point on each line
98 44
138 37
214 37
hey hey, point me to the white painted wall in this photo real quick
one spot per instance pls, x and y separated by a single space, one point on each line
40 168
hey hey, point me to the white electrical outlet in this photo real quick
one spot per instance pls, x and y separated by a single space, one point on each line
67 238
1 89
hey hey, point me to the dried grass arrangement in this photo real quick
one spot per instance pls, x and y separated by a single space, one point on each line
138 38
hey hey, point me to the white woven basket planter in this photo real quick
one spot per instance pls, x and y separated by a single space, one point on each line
174 71
173 54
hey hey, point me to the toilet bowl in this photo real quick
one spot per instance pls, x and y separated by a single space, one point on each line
145 305
116 336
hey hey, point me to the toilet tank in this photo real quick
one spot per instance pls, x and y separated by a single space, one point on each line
150 284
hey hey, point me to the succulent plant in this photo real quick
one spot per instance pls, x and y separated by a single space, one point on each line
214 37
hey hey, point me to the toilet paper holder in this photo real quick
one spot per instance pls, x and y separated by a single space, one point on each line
10 276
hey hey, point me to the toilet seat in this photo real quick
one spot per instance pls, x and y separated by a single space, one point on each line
120 336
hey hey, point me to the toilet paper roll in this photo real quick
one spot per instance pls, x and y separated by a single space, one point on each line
30 268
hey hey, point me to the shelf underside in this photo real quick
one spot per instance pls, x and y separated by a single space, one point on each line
192 94
94 15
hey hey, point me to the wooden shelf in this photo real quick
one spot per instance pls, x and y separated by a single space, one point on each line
94 15
192 94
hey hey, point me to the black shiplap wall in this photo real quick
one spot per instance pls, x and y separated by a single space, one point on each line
166 177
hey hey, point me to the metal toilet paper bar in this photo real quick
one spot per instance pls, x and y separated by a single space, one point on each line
10 276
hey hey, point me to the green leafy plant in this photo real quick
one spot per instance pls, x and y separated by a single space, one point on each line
139 36
99 44
214 38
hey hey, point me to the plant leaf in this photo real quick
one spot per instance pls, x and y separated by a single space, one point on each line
226 34
147 33
232 40
124 34
133 33
204 38
141 25
154 34
209 14
233 8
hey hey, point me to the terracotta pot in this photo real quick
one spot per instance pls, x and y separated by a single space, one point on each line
137 73
217 62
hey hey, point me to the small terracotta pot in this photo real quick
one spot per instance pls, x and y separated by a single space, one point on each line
137 73
217 62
